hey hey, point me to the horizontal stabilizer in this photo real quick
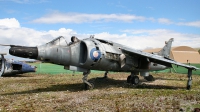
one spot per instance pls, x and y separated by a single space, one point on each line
4 45
3 53
10 45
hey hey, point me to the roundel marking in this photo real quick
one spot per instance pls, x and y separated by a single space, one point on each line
95 54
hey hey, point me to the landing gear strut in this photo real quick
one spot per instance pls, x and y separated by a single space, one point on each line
133 79
189 82
87 84
106 74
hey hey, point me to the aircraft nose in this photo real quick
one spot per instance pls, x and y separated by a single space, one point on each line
34 69
24 52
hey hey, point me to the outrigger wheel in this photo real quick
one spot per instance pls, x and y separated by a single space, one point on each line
189 82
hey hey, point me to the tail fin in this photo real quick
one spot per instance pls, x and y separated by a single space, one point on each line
165 52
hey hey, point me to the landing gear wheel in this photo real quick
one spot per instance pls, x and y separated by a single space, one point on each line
106 75
149 78
88 87
188 87
189 83
128 79
135 80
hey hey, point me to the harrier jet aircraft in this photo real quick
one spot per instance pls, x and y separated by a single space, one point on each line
11 67
98 54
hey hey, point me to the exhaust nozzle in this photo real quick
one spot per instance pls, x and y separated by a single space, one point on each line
24 52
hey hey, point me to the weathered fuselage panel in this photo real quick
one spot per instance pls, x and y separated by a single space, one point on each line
93 54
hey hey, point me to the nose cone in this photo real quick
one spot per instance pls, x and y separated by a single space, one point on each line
24 52
28 68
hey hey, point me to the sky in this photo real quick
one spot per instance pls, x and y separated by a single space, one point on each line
139 24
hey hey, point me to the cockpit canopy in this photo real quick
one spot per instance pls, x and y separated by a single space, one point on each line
60 41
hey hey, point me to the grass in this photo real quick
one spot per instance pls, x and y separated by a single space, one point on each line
48 68
181 70
64 92
185 71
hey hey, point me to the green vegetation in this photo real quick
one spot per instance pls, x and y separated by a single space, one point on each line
64 92
47 68
181 70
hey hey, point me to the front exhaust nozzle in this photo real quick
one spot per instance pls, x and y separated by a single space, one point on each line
24 52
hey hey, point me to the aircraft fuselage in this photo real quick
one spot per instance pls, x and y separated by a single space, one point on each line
94 54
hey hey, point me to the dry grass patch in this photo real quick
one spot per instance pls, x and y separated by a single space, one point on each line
35 92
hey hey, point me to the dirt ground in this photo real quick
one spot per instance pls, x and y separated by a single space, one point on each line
65 93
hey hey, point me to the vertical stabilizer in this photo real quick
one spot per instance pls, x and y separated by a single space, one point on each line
165 51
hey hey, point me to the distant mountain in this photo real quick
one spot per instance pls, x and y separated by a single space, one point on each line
197 49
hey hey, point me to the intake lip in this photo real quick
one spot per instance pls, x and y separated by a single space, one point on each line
24 52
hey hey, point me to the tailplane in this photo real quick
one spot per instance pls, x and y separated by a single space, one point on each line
165 51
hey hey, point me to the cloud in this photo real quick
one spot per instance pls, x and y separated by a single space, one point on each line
30 37
167 21
142 39
135 38
164 21
9 23
194 23
57 17
77 18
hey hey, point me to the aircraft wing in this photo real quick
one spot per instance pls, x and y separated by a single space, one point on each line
156 58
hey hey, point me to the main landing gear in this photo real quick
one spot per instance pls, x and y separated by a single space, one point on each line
149 78
133 79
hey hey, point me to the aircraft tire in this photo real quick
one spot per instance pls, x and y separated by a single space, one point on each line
135 80
188 87
149 78
128 79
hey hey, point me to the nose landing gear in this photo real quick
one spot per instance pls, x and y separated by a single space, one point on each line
87 84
